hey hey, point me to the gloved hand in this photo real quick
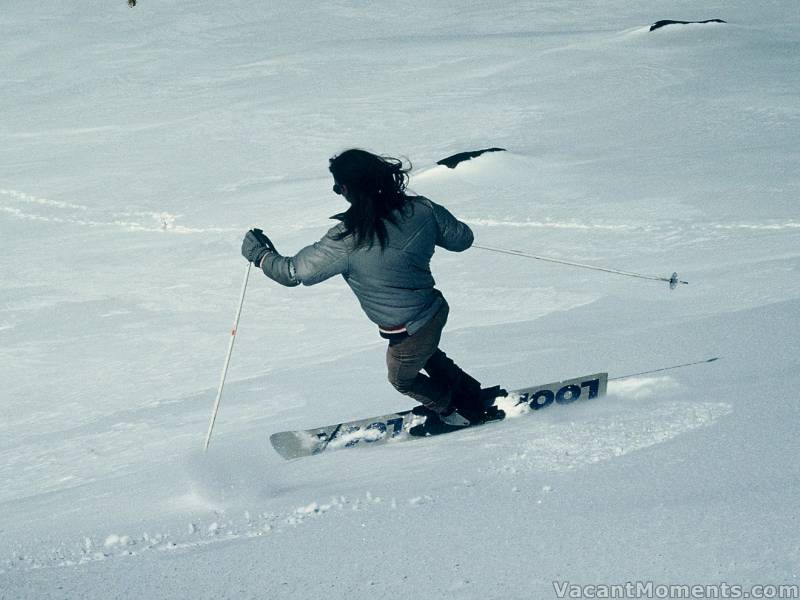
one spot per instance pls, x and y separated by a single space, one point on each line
255 246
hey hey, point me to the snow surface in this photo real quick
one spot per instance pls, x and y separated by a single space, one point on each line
139 145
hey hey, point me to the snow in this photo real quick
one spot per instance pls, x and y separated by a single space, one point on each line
140 144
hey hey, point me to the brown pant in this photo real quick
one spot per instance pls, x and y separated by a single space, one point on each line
405 358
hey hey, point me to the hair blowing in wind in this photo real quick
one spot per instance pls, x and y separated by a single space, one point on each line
375 187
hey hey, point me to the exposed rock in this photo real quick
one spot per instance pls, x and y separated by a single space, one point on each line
452 161
660 24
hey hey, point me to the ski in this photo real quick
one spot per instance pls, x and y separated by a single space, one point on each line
395 427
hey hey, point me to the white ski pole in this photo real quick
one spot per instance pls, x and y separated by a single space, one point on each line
227 357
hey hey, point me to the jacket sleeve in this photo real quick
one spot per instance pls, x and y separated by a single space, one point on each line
453 234
313 264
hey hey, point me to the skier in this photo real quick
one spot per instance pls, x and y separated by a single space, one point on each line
382 247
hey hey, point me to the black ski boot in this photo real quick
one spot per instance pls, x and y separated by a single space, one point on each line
436 423
465 389
477 403
458 417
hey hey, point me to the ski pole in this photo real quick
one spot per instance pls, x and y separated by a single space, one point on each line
697 362
672 281
227 357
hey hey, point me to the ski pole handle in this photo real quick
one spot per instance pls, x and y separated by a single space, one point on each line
227 357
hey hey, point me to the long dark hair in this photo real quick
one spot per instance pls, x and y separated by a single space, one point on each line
375 187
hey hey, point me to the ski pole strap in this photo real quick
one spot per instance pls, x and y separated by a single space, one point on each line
672 281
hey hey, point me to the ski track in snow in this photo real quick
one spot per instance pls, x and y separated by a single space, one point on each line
563 446
217 528
704 227
553 446
57 211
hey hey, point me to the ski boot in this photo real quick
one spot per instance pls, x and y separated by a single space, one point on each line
477 403
469 399
459 414
436 423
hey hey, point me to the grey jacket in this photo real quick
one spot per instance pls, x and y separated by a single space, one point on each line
394 286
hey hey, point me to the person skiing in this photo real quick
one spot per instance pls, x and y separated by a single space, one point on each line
382 247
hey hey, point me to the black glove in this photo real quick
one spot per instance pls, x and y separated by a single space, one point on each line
255 246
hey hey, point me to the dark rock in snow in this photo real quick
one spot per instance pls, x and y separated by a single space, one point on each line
452 161
660 24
